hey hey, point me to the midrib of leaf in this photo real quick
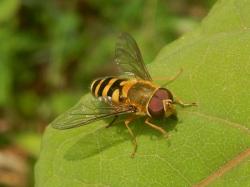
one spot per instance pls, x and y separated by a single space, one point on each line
224 169
171 50
237 160
194 38
231 164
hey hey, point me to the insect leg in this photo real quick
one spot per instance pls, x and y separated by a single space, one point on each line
183 104
165 134
112 122
127 121
171 79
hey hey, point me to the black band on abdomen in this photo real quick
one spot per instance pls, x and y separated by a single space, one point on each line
103 85
95 85
115 85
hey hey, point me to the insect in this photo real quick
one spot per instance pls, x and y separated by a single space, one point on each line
133 94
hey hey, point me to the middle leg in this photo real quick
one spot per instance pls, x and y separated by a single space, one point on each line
112 122
127 122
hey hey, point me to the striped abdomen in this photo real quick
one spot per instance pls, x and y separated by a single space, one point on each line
108 87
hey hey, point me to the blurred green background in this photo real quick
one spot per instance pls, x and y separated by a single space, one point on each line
50 51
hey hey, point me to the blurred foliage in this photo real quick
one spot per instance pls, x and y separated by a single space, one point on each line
50 50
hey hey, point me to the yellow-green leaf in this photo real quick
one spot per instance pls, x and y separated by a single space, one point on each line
206 143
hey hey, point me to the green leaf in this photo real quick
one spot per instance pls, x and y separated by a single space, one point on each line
209 140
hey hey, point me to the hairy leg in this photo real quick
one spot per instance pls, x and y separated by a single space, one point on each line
183 104
112 122
165 134
171 79
127 122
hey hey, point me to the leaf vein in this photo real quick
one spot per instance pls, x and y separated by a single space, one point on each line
228 122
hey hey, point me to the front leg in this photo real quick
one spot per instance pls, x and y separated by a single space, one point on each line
183 104
165 134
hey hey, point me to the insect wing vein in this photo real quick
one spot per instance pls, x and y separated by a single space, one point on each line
128 56
83 114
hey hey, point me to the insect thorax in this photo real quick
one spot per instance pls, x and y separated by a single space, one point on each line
140 93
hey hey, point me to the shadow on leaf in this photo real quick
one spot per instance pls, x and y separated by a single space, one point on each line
104 138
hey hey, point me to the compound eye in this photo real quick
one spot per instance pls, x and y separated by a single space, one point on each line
163 94
156 108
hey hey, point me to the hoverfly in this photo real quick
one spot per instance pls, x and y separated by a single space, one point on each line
132 94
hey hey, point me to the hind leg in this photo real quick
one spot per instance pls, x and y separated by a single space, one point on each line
171 79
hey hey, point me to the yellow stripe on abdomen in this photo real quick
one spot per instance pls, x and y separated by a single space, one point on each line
126 86
98 87
94 85
107 87
116 96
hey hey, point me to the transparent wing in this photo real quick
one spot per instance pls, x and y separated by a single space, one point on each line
128 56
87 112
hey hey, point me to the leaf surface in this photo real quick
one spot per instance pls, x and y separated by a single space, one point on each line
207 142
